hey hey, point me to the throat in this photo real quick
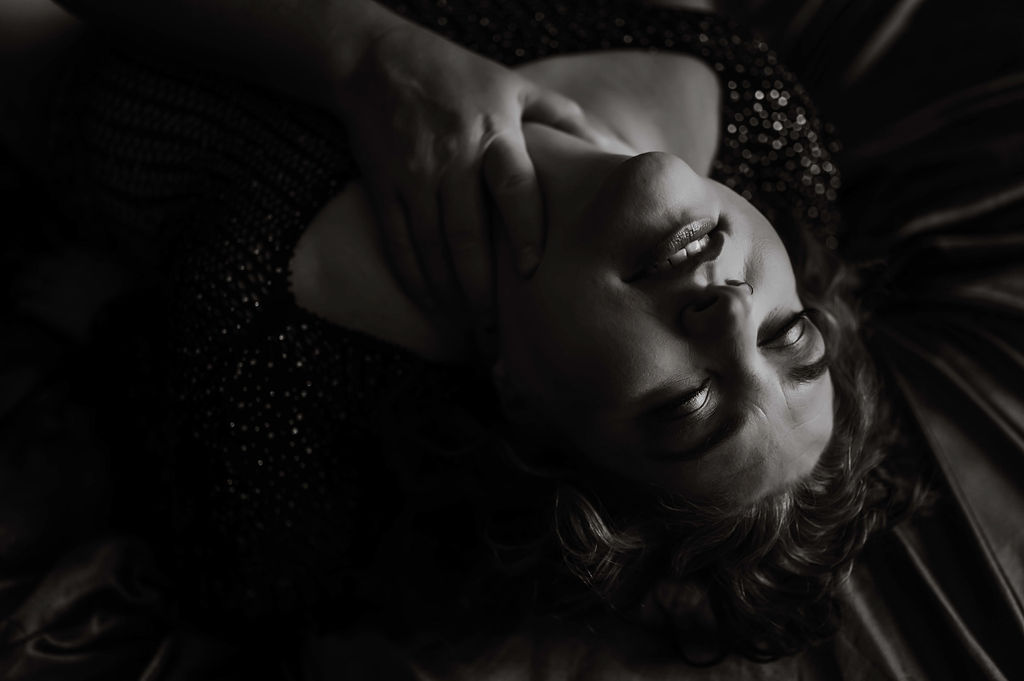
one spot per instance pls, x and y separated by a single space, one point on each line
340 273
649 101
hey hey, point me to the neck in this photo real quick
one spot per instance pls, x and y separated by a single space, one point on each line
640 102
643 101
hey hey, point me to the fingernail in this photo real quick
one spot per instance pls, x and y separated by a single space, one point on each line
528 260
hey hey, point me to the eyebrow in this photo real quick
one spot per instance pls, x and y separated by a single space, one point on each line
729 426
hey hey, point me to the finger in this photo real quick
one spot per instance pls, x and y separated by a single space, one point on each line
431 247
558 111
512 183
468 233
402 251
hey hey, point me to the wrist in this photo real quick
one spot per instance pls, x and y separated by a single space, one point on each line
354 35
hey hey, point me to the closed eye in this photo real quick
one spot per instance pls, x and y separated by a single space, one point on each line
796 337
685 405
793 335
800 336
791 332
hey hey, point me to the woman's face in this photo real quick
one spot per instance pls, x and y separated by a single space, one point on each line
680 377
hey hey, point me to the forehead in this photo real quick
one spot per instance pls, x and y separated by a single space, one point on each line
811 420
792 436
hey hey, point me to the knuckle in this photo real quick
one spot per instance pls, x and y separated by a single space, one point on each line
512 183
491 125
447 148
573 109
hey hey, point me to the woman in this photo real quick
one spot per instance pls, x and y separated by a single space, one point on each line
684 341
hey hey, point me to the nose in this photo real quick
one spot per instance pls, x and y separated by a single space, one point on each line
720 315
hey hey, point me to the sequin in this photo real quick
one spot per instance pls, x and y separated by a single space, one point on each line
278 411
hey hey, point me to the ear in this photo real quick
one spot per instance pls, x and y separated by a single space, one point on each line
517 407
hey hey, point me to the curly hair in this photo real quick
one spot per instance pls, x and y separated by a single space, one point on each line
770 571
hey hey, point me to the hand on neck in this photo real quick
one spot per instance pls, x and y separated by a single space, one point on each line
640 102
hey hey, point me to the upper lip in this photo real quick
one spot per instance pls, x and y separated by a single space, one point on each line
678 239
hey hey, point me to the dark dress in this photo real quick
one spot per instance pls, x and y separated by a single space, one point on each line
281 422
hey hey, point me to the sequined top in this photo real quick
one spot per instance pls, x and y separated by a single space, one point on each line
283 423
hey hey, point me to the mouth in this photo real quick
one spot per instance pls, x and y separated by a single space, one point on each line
683 251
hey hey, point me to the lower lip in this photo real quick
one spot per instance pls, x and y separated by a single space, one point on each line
716 240
710 253
670 244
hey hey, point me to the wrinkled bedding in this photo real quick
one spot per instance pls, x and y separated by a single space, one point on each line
928 98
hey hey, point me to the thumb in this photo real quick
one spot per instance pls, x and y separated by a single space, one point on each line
558 111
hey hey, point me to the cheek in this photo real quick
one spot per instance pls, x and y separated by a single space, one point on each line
581 344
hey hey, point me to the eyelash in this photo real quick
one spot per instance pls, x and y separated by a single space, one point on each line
688 404
801 318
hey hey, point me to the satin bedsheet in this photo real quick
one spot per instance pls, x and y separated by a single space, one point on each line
929 100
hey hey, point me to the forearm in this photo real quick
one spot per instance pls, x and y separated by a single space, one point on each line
305 48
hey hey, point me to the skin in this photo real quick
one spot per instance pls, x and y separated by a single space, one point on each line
645 342
422 113
584 351
600 357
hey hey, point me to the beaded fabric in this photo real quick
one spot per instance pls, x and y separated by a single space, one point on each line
282 422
